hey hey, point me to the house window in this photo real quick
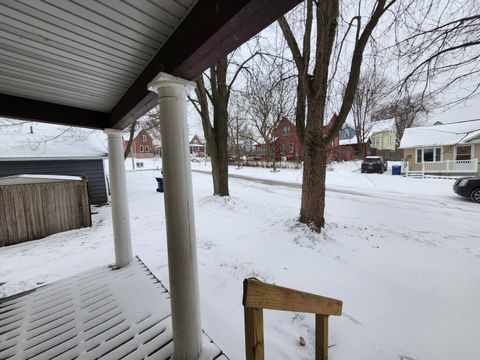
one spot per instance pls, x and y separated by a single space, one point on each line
463 152
286 130
429 155
144 138
376 142
282 149
147 149
141 148
291 147
261 150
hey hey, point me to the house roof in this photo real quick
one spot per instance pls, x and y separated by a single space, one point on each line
88 63
462 132
382 125
126 134
50 142
352 141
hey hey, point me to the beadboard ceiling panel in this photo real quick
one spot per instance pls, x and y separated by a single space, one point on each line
83 53
88 62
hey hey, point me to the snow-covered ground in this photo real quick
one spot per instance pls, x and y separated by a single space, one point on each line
402 254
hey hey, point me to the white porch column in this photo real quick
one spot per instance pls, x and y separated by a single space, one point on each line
118 189
180 223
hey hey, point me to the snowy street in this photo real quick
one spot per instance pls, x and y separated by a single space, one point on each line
404 262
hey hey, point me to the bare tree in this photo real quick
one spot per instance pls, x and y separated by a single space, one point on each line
238 134
314 82
131 135
211 103
407 110
441 48
371 90
269 96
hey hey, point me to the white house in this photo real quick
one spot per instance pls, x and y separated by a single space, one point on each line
443 149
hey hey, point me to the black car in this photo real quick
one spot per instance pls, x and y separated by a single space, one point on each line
374 164
468 187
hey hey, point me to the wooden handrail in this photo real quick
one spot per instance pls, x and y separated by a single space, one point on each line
258 295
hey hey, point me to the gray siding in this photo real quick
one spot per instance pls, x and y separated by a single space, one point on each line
93 169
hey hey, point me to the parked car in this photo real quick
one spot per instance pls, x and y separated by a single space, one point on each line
468 187
374 164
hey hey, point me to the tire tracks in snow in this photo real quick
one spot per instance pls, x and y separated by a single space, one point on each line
421 201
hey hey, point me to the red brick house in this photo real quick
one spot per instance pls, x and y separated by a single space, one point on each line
142 144
287 144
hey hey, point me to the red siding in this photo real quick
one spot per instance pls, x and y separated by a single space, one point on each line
142 145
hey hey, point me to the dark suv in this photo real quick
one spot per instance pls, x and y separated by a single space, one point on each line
468 187
374 164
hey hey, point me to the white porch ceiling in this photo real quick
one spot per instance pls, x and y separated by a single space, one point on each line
81 53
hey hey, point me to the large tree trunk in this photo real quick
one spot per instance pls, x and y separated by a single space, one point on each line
130 140
220 131
313 188
220 172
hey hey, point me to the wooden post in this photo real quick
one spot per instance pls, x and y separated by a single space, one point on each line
321 337
254 343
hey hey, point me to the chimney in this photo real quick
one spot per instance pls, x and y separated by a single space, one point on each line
31 129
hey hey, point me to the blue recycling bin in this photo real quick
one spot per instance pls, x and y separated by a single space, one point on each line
159 184
396 170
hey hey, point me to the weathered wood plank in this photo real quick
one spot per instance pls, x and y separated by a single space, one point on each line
33 211
37 205
87 216
47 208
19 214
30 216
3 220
257 294
321 337
254 341
10 219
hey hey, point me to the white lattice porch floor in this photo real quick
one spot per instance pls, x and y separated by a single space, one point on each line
99 314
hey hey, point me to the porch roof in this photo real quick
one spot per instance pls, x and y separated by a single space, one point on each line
462 132
88 63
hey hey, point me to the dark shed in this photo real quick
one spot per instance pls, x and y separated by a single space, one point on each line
33 148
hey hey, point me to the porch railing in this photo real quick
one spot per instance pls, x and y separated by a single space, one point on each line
446 166
258 295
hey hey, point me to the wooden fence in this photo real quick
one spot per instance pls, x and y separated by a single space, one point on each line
258 295
33 211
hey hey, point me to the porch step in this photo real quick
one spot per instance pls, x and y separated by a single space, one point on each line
415 174
99 314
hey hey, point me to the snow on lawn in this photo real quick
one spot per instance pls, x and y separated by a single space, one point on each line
407 271
347 175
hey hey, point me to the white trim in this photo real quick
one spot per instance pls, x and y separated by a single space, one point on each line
179 215
118 188
429 147
73 157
